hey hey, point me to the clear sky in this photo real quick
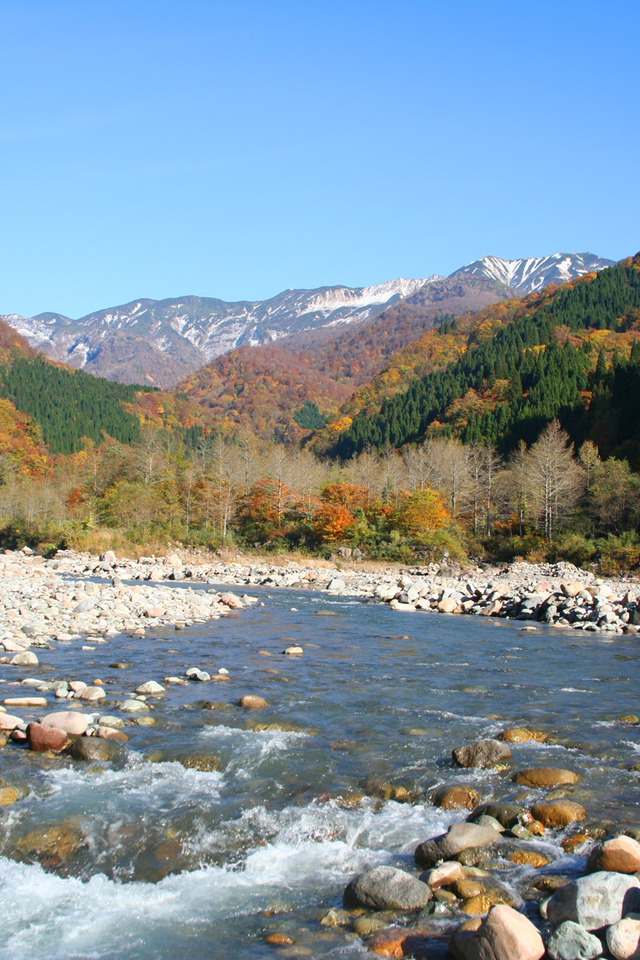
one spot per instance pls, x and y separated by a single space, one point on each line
235 149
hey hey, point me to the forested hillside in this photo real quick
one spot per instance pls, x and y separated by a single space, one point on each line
66 405
569 353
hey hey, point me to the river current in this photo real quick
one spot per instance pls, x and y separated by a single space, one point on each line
262 831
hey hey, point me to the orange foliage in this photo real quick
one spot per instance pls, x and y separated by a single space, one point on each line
333 521
421 513
349 495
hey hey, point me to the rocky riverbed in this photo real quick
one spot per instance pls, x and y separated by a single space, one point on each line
526 855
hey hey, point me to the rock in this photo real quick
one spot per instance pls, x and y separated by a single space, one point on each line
293 651
252 702
335 585
530 858
545 777
51 845
25 702
134 706
521 735
205 762
401 942
505 934
42 738
507 814
442 875
77 686
482 753
92 694
451 797
114 722
595 901
92 748
26 659
71 721
570 941
623 939
620 855
386 888
154 613
9 722
8 795
571 588
459 837
560 813
279 940
230 600
108 733
193 673
109 558
150 687
447 605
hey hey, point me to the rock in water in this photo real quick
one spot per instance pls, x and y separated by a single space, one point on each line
252 702
505 934
621 855
483 753
623 939
595 901
385 888
42 738
570 941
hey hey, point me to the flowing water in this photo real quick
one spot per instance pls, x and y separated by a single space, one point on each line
158 859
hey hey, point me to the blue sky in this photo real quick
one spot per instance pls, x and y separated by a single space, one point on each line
233 150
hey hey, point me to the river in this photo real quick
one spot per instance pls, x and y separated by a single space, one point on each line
208 862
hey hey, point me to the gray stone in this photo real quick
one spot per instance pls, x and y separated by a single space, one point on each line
134 706
92 748
459 837
482 753
385 888
570 941
194 674
26 659
595 901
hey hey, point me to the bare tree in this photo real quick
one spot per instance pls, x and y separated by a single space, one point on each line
554 475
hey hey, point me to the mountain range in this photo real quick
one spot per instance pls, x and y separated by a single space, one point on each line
162 342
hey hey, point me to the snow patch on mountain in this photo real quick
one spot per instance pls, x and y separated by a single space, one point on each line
533 273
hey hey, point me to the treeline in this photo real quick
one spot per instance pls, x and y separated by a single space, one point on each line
437 498
527 373
69 404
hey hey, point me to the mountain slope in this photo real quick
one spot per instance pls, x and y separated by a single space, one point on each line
530 274
519 366
163 341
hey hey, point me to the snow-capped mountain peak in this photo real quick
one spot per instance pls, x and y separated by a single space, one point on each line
529 274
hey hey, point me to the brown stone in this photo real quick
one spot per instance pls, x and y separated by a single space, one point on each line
560 813
521 735
575 841
400 942
504 935
42 737
482 753
252 702
279 940
529 858
443 875
545 777
8 795
456 798
620 855
52 846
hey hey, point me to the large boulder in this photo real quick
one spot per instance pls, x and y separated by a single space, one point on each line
92 748
71 721
459 837
570 941
595 901
505 934
42 738
482 753
386 888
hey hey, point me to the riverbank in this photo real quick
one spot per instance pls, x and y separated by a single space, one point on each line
560 595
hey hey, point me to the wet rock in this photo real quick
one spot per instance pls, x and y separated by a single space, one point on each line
595 901
150 688
25 702
621 855
134 706
251 701
108 733
92 748
107 721
545 777
294 651
452 797
205 762
71 721
504 935
521 735
9 722
570 941
443 875
531 858
623 939
26 659
559 813
193 673
42 738
507 814
279 940
386 888
482 753
8 795
401 942
92 694
52 846
459 837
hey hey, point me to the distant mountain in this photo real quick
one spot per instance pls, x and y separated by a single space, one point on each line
533 273
161 342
